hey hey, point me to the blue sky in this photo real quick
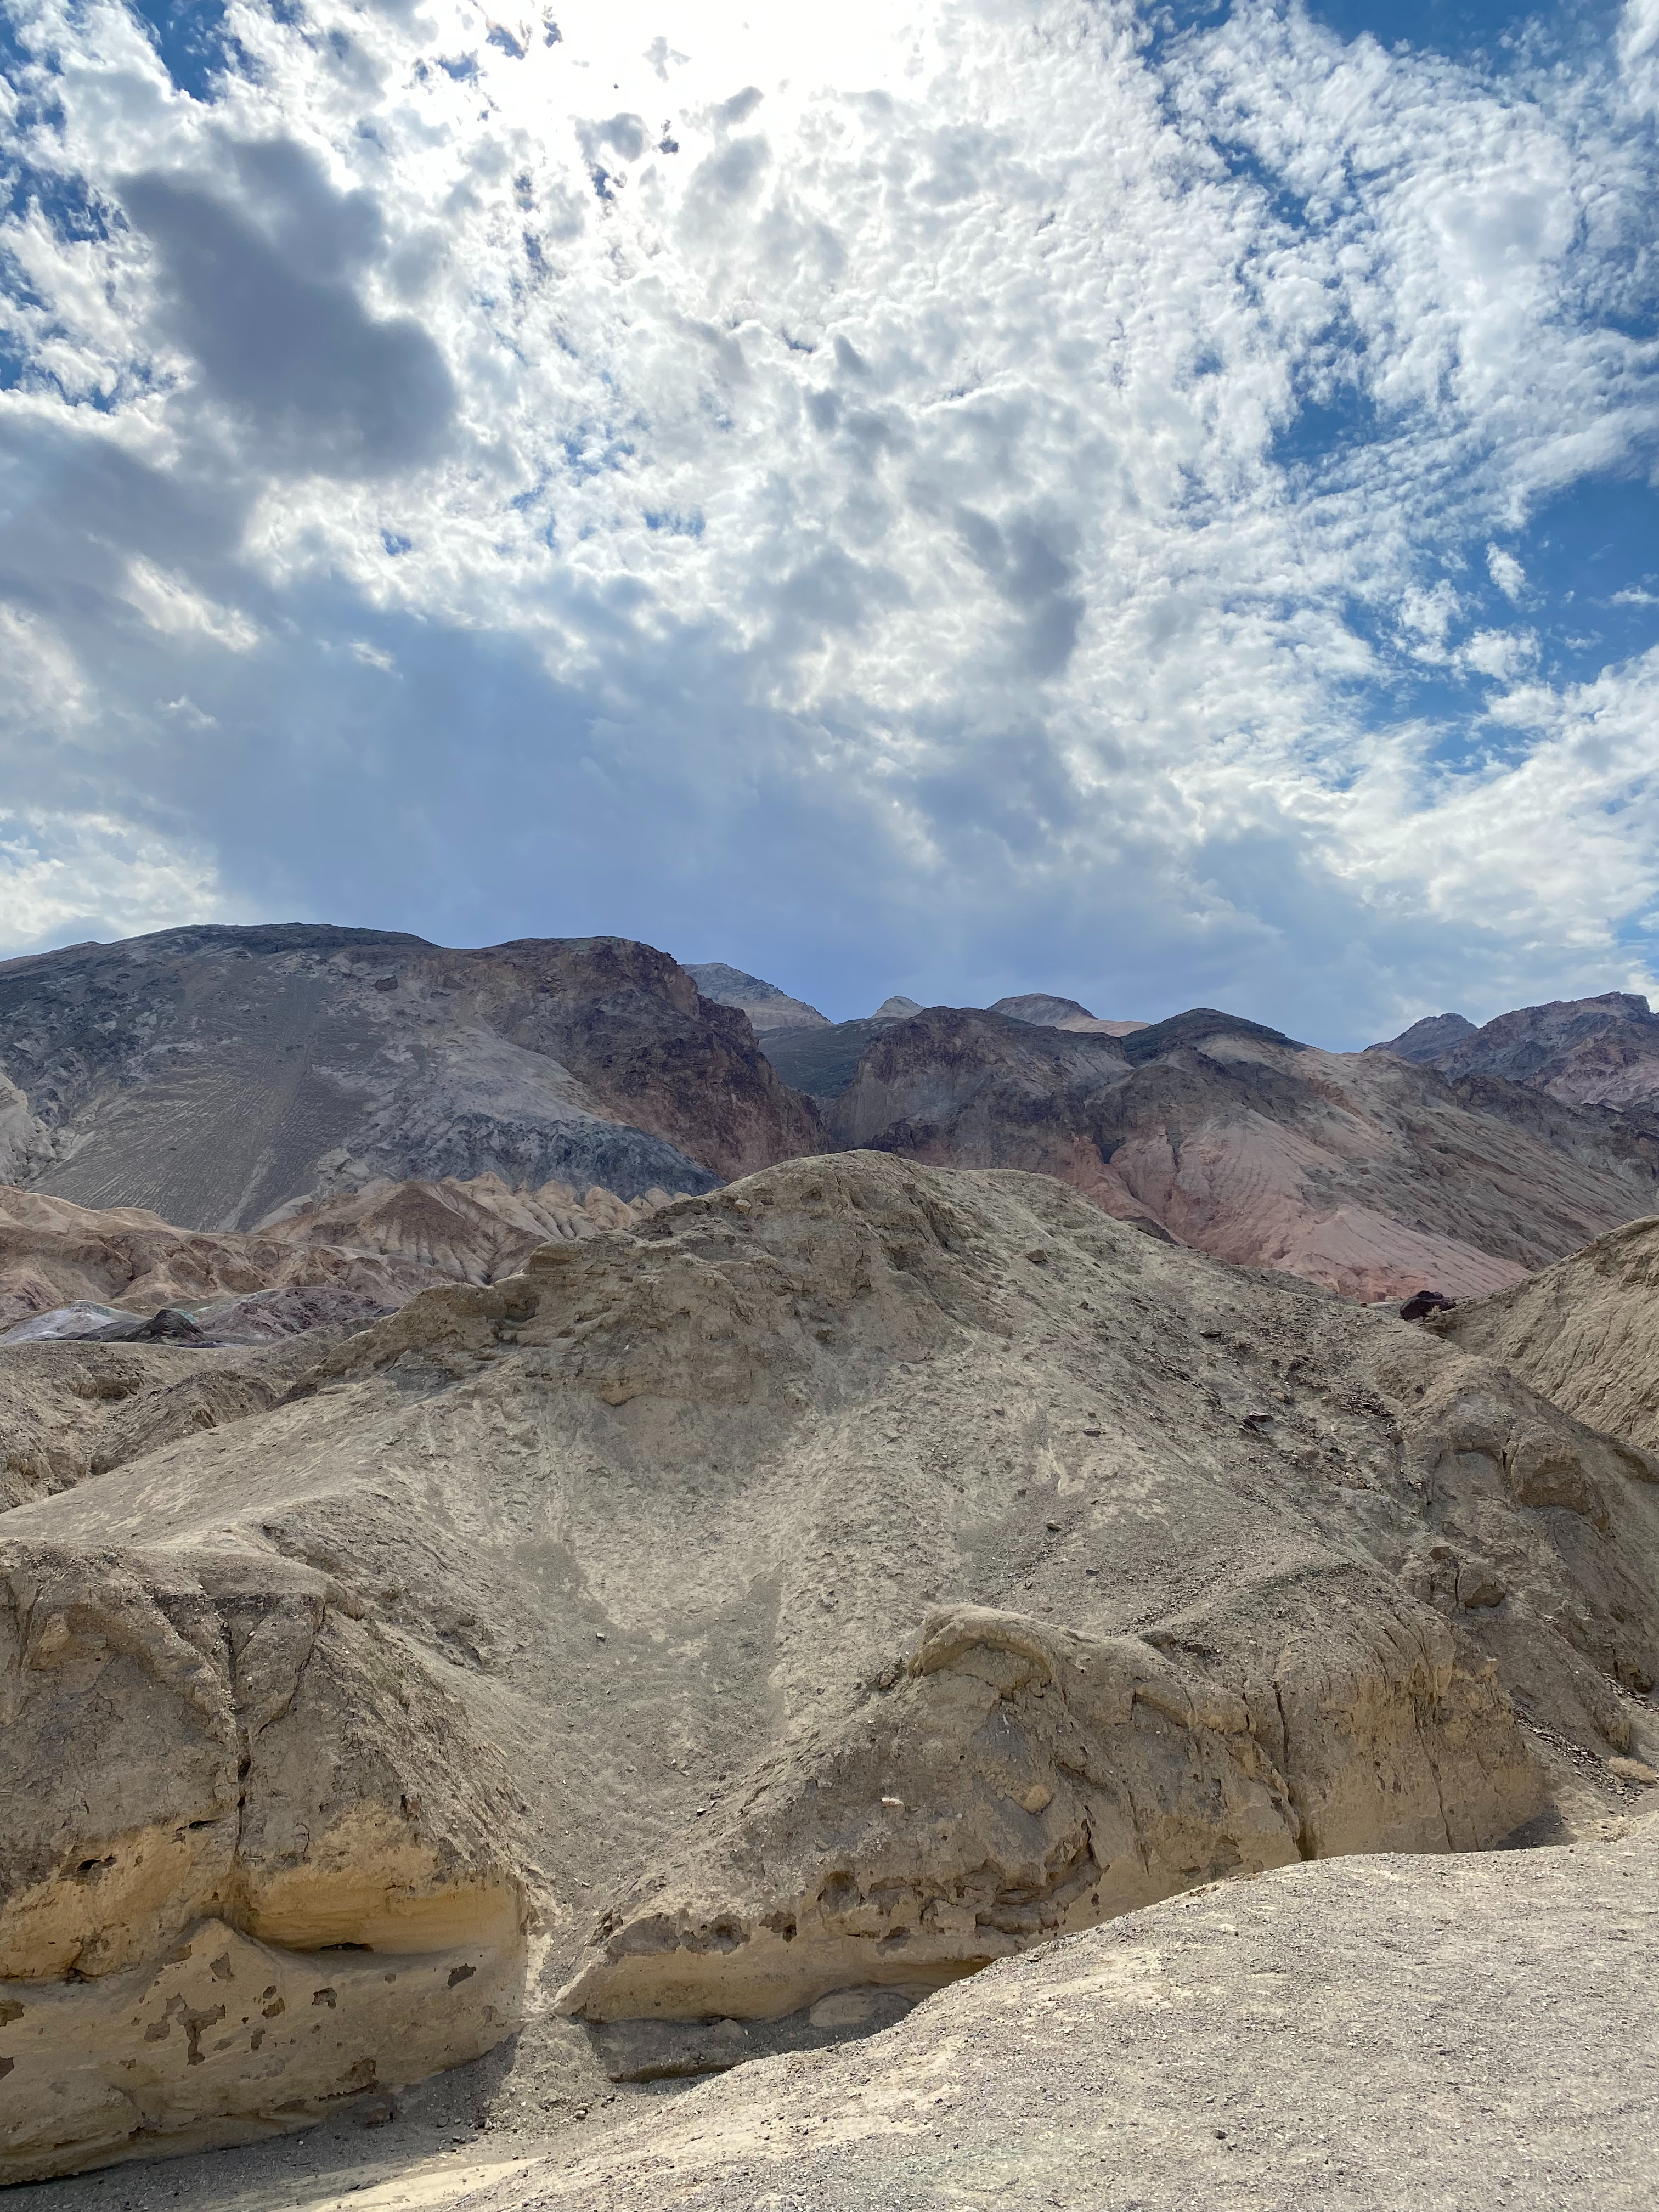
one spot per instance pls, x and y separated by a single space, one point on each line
1152 504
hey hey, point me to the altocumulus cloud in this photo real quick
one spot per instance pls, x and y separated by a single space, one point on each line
1154 506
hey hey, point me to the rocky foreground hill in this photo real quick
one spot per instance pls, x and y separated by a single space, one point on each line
720 1633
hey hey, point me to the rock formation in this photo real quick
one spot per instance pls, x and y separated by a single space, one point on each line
767 1007
215 1075
829 1585
1586 1052
1375 2032
1360 1172
1585 1332
377 1247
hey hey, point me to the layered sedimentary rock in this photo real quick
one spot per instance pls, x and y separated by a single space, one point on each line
1584 1332
832 1584
216 1075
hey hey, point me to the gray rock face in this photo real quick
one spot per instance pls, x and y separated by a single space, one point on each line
216 1075
1600 1052
767 1007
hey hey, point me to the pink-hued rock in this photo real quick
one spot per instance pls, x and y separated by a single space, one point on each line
1362 1172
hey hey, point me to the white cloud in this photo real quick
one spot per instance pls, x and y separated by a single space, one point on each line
909 456
167 603
1638 52
1506 572
91 875
1429 616
1499 653
1557 828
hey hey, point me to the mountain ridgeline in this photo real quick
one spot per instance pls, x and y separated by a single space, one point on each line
227 1080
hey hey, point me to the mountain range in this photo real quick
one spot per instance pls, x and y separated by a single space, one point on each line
223 1080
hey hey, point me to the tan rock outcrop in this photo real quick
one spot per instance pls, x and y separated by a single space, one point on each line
577 1626
375 1247
1020 1781
275 2033
220 1740
1584 1332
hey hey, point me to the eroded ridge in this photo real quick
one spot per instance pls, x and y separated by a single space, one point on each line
831 1585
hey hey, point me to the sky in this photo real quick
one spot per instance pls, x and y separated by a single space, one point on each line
1156 504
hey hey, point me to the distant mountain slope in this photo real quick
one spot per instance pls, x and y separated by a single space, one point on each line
215 1075
822 1062
1365 1174
766 1006
1599 1052
1041 1006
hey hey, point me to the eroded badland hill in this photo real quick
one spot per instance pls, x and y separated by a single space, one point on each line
843 1581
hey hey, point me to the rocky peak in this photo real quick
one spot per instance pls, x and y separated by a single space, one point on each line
766 1006
1425 1041
1602 1051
